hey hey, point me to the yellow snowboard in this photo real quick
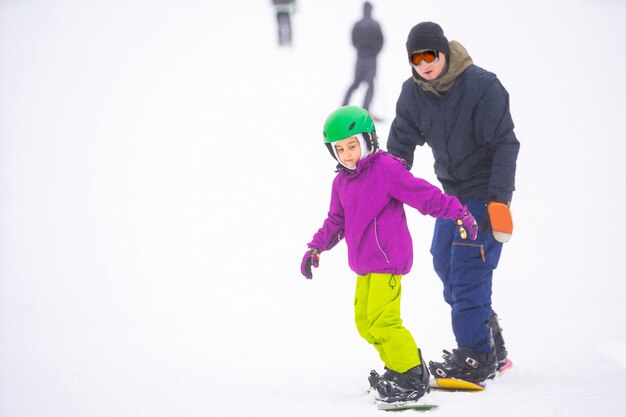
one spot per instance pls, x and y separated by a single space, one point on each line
453 384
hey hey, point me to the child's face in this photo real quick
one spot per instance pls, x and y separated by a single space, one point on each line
348 151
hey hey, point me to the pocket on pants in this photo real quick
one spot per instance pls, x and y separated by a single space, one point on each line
471 250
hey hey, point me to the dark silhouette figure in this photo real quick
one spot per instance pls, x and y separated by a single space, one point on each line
284 9
367 38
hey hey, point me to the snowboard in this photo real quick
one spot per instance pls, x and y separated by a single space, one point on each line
505 367
404 405
453 384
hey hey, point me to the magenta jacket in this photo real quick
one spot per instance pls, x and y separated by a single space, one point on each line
366 207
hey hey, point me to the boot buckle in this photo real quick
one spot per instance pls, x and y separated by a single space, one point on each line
472 362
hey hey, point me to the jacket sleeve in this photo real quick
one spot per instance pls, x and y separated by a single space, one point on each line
494 127
422 195
332 230
404 135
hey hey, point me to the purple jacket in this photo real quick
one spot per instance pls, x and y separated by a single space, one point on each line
366 207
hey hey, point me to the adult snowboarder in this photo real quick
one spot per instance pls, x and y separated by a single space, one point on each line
462 112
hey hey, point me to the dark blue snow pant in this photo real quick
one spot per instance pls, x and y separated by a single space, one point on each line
284 28
365 72
466 270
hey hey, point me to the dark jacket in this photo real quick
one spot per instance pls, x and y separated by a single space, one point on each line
468 126
367 36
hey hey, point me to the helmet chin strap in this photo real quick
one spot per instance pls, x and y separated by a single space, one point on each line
365 150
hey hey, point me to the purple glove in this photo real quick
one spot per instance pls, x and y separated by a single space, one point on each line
311 257
467 224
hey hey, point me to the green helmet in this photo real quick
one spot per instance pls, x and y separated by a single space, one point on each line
349 121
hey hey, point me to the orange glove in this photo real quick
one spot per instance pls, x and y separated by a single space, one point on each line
501 221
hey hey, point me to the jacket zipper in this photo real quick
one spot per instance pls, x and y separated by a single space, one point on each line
377 242
473 245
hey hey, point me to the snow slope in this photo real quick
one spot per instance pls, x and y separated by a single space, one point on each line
161 170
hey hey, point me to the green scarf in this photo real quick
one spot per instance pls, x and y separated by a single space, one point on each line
457 62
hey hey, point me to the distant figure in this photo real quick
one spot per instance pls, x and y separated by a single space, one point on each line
367 38
284 9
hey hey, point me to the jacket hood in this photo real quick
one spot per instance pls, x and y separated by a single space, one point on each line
458 61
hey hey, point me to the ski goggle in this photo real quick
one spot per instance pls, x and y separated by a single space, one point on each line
428 56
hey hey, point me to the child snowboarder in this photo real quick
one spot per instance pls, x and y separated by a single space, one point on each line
366 207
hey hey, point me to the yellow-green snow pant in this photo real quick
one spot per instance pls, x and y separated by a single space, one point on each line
377 317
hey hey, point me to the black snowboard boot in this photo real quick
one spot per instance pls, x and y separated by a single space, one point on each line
407 386
498 341
463 363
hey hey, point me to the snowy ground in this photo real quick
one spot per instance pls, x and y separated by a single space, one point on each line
161 169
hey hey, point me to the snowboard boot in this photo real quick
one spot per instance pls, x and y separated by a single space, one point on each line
407 386
498 341
463 363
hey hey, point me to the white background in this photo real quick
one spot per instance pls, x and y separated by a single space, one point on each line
162 168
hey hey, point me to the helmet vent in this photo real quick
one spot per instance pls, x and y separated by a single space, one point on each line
351 126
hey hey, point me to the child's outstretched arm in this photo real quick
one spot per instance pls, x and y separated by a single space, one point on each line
430 200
